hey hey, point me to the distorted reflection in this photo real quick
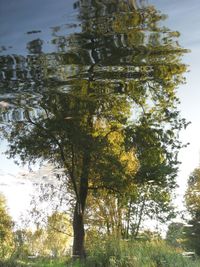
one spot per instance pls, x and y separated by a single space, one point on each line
103 106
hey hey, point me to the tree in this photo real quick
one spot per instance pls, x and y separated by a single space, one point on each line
59 234
102 108
123 215
22 244
151 202
192 198
6 230
175 234
52 238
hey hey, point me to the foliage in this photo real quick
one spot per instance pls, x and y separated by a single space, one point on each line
22 244
175 235
59 234
51 239
192 198
192 195
123 215
6 230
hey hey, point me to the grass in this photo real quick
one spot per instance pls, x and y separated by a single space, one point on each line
115 253
39 262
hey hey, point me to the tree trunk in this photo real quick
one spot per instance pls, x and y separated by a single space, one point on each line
128 218
79 233
140 218
78 220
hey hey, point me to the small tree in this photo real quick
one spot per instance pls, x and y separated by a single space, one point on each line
59 234
6 230
192 198
175 235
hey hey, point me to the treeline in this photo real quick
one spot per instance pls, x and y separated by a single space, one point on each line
53 239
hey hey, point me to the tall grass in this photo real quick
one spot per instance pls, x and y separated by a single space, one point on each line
39 262
118 253
115 253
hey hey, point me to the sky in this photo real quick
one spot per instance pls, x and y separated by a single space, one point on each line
28 15
16 19
183 15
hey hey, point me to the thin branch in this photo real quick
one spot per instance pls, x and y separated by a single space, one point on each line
60 148
104 187
59 231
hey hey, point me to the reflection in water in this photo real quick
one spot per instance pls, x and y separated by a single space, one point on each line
102 104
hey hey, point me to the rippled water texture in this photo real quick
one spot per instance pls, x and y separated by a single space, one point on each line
85 49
